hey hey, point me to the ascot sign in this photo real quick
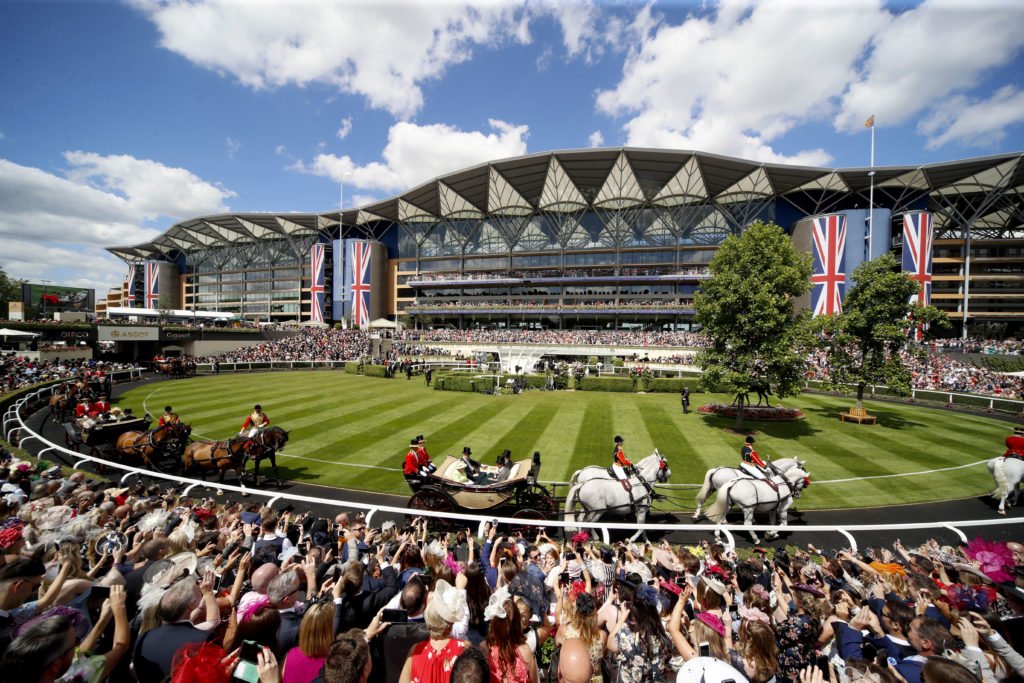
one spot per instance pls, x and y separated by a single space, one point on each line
118 333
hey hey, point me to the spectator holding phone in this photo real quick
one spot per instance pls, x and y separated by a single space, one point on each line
303 662
638 639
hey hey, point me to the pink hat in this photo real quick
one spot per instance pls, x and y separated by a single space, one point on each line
712 621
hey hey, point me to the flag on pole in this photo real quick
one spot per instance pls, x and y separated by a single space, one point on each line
828 280
870 123
316 283
152 295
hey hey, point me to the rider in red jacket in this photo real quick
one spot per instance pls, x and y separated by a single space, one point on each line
752 463
1015 444
621 466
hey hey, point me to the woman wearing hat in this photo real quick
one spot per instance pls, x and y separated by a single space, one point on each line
508 654
431 661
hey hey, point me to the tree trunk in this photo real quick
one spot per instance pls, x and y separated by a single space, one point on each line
739 412
860 396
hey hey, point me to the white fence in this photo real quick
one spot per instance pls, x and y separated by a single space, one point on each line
14 421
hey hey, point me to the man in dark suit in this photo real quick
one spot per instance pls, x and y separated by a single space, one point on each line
283 593
472 467
155 650
390 649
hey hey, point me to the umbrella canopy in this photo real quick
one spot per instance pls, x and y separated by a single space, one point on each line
8 332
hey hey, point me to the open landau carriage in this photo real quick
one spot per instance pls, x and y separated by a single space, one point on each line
448 490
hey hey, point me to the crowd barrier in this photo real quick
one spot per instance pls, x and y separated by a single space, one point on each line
14 421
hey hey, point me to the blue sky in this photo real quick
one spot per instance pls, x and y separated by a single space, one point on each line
119 119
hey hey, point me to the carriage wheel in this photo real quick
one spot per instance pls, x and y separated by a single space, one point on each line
434 500
526 530
536 497
168 463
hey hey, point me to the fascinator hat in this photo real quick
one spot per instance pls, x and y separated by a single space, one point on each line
448 602
496 604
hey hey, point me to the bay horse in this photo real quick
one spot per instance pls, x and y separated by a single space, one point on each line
64 403
159 444
265 444
218 456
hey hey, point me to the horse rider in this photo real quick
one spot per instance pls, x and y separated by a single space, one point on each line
170 417
752 463
256 421
424 458
472 467
82 409
1015 444
621 466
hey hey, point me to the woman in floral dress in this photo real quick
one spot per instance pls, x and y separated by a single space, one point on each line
639 641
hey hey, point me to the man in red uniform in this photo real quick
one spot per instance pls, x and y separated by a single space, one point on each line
256 421
1015 444
412 460
170 417
752 463
621 466
100 407
426 466
82 409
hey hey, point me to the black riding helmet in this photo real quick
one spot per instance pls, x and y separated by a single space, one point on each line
749 439
618 439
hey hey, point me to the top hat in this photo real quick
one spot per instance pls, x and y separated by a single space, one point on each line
506 453
413 441
420 438
466 451
1018 430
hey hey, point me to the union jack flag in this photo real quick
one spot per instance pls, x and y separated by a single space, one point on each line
152 284
131 286
360 284
917 253
316 283
829 278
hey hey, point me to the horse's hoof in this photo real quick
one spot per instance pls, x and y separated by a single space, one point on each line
220 492
1002 512
695 518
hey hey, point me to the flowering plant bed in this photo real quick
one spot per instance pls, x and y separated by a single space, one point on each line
776 414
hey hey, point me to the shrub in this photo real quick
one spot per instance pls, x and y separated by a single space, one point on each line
352 367
374 370
615 384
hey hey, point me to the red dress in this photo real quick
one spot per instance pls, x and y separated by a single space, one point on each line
430 665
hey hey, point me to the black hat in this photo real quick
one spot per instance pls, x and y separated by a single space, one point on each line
506 452
413 441
1018 430
466 451
749 439
420 438
258 407
618 439
168 409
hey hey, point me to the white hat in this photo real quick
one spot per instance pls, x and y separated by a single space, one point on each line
708 670
448 601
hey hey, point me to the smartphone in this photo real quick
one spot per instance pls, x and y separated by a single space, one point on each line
101 592
246 671
679 581
570 556
704 649
394 616
217 580
564 578
652 582
822 663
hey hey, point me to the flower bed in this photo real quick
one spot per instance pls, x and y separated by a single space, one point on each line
777 414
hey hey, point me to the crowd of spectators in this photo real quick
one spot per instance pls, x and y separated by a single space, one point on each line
311 344
554 303
573 337
103 582
17 372
1005 347
568 274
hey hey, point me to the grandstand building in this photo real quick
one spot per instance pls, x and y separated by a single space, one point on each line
595 238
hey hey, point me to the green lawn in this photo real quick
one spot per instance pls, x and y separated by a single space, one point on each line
352 431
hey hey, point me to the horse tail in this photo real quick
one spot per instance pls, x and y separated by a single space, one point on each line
706 489
717 511
571 498
999 474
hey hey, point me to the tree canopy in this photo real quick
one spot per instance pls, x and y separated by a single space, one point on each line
746 309
10 290
864 341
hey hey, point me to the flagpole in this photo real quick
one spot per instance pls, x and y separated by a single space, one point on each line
871 193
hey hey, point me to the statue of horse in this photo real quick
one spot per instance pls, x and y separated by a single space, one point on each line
597 492
219 456
756 495
717 477
161 446
1007 473
265 444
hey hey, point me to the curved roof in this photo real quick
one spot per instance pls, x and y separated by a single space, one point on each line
609 179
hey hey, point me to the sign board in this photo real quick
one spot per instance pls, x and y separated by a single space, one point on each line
120 333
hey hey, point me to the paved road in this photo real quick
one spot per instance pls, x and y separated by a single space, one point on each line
959 509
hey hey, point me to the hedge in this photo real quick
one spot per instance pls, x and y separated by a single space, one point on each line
673 385
607 384
352 367
374 370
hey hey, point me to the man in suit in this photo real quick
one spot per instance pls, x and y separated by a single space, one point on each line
390 648
472 467
155 650
684 397
284 591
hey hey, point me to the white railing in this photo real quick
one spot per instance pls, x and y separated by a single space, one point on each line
13 421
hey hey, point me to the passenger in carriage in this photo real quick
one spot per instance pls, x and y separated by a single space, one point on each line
504 466
100 407
426 466
471 466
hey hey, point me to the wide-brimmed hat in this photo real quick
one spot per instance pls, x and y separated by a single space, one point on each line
714 584
54 517
448 602
168 570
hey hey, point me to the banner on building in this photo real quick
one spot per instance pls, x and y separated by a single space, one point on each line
152 284
317 256
130 303
359 282
828 247
917 252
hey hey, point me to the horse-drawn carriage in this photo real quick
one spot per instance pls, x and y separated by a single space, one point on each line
130 441
447 490
175 368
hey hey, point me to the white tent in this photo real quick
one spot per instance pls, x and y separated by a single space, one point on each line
6 332
313 323
384 324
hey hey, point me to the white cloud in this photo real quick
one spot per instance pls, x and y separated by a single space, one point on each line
281 151
231 146
736 80
596 139
383 50
346 127
974 123
926 53
415 154
57 227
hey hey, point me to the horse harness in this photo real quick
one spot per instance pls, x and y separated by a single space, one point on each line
778 496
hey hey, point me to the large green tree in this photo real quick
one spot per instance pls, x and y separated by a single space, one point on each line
10 290
746 310
864 342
